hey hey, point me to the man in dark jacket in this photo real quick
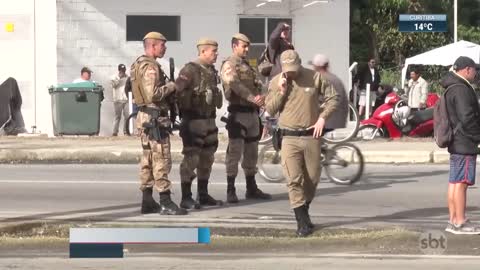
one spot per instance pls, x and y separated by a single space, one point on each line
368 75
463 109
279 42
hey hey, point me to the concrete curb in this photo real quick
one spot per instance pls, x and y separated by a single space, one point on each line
398 156
130 156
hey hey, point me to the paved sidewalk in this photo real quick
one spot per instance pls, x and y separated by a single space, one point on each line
128 150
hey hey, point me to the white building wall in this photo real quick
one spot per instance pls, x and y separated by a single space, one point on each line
92 33
28 54
45 61
325 28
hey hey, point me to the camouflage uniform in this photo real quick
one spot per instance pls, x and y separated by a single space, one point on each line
150 91
198 101
241 85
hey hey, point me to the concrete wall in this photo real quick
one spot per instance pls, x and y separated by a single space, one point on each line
28 54
92 33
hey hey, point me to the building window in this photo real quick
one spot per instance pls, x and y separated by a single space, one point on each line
139 25
253 28
258 30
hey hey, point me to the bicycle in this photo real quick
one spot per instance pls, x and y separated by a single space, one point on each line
339 156
338 135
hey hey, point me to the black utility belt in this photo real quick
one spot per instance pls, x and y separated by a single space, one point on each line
153 111
241 109
197 116
297 132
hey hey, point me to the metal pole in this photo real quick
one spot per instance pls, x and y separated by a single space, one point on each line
354 88
130 107
455 22
34 127
368 103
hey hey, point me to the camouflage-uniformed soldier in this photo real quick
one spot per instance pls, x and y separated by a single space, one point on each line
294 94
198 100
150 92
244 92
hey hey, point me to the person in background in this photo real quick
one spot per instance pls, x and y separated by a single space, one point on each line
369 75
279 42
120 100
417 91
85 75
338 119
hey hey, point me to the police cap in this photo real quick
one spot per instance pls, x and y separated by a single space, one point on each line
241 37
155 35
207 41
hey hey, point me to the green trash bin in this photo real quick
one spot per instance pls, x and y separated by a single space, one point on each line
76 108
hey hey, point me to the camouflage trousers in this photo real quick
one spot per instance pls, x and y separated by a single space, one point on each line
301 166
155 164
200 142
243 140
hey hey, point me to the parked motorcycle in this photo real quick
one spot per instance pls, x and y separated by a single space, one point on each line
395 119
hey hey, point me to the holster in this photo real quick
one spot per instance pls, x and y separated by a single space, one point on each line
277 137
233 127
153 128
260 125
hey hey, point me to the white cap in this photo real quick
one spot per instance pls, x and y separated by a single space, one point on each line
319 60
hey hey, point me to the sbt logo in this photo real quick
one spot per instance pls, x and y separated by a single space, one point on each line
433 242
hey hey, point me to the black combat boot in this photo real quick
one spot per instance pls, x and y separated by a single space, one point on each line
168 207
149 205
231 194
203 197
301 215
187 201
253 192
309 221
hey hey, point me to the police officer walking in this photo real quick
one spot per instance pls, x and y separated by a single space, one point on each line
150 91
243 91
198 100
294 94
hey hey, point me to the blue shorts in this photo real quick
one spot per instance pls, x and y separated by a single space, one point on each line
462 169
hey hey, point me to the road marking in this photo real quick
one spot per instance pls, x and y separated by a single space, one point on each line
308 255
102 182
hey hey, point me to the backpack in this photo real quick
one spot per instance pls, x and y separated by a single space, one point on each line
442 128
266 65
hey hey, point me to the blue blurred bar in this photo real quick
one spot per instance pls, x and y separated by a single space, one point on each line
204 235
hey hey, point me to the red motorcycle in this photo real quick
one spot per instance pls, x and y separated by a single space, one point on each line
395 119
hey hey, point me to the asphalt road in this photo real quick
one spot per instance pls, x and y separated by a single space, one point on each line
215 262
388 195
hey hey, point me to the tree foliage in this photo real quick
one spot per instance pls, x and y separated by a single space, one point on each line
374 28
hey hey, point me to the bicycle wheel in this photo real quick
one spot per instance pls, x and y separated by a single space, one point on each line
345 134
268 125
343 163
269 164
131 129
266 136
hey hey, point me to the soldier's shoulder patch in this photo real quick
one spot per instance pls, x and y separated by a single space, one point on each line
150 72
